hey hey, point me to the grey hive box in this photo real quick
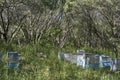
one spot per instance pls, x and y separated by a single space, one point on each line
88 60
115 65
69 57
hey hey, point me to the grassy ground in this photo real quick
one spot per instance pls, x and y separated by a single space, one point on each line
34 67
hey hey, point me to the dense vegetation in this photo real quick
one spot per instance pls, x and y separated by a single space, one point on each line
48 26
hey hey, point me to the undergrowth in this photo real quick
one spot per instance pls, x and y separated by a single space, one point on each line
35 67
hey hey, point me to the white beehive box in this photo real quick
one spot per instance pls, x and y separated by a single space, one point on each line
81 58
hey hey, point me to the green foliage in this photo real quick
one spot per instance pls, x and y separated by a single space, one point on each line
69 5
102 51
51 4
1 1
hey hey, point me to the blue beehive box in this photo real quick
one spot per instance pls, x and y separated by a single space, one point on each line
105 61
13 59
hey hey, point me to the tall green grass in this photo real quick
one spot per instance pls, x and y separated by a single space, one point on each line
34 67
